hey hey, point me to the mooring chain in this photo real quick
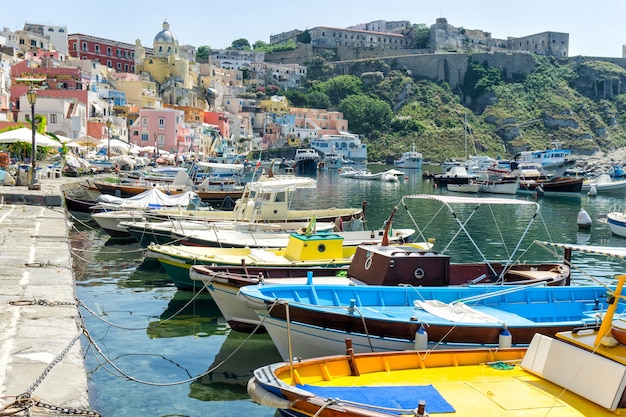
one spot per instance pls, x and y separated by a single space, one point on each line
25 402
46 265
56 360
42 302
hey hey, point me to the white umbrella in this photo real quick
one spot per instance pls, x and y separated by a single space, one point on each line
63 139
24 135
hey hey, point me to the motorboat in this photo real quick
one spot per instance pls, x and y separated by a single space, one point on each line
410 160
604 184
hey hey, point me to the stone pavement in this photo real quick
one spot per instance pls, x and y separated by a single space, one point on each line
40 352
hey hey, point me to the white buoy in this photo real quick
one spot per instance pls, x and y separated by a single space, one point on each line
592 191
505 339
421 339
584 219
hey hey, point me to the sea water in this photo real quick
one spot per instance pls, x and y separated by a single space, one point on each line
159 351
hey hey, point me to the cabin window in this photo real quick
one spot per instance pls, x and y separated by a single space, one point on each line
321 248
281 197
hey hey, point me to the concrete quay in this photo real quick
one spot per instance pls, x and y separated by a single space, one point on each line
40 352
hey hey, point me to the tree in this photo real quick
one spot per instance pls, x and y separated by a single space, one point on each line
240 44
421 36
203 52
318 100
366 114
340 87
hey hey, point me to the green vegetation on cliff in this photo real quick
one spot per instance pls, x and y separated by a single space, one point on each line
576 104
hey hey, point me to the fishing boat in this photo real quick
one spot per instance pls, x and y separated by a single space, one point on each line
371 265
241 238
155 231
267 200
303 250
410 160
308 321
553 376
552 186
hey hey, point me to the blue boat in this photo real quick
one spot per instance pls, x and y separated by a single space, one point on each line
315 320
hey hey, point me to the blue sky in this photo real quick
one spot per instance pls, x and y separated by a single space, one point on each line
596 28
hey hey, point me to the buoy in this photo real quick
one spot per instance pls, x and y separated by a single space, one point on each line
421 338
584 220
505 338
593 191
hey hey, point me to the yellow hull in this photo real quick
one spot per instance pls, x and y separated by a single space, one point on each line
475 382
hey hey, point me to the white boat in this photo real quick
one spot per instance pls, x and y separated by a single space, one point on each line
217 237
548 159
498 187
388 176
267 200
470 188
305 161
333 159
409 160
617 222
350 172
604 184
346 144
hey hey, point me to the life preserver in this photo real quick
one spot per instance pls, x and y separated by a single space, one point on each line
419 273
368 262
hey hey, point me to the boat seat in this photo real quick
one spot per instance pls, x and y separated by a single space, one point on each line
576 369
261 255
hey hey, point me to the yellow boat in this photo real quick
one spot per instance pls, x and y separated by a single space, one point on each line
306 250
578 373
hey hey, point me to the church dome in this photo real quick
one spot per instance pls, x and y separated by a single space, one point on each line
166 36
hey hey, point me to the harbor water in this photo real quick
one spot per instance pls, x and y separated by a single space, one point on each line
154 350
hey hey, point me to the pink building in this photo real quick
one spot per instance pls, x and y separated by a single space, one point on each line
220 120
164 129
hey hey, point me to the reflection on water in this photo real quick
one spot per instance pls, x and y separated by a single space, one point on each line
233 366
161 336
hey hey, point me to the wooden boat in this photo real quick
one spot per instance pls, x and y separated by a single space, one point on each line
371 265
555 376
303 250
314 320
267 200
555 185
147 232
242 238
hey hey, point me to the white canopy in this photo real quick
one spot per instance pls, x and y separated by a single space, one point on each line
281 184
152 198
24 135
612 251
